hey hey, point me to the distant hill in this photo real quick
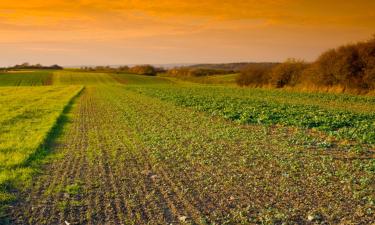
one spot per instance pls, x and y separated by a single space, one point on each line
231 66
215 66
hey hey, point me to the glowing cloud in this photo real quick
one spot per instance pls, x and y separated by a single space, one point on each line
132 31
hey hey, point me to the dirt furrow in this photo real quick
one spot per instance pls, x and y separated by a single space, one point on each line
189 207
161 203
153 204
130 159
160 181
69 202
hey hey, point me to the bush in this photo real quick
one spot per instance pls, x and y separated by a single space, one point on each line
177 72
254 75
367 53
144 70
351 66
278 75
288 73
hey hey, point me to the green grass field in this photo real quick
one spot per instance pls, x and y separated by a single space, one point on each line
133 79
26 78
80 78
28 116
134 149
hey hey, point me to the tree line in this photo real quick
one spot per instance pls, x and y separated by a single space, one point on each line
138 69
196 72
200 70
28 66
351 67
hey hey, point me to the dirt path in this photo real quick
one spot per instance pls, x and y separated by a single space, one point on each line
130 159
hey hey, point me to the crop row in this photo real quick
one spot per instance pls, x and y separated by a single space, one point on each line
134 159
28 116
271 109
81 78
25 78
223 173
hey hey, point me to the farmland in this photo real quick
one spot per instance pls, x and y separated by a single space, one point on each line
25 78
77 78
28 116
350 117
148 150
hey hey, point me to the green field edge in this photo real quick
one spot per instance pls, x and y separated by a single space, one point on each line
10 189
349 136
56 130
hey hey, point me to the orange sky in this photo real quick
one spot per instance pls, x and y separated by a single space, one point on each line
77 32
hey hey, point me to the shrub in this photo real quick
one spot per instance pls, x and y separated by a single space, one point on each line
177 72
351 66
367 52
144 70
254 75
288 73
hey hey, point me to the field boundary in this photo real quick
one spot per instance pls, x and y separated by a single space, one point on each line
55 131
38 159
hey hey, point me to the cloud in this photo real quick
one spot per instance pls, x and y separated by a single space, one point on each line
188 26
122 14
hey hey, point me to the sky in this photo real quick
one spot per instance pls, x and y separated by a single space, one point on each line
113 32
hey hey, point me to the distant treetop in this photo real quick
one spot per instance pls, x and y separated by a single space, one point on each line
36 66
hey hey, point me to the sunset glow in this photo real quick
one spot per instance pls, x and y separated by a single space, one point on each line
169 31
